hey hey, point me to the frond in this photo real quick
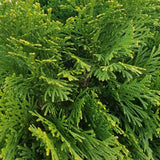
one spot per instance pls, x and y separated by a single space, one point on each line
137 91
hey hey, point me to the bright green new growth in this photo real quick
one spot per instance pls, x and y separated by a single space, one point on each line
79 80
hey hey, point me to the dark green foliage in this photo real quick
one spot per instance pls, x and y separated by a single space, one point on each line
79 79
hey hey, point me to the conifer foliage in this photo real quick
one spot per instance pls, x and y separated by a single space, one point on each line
79 79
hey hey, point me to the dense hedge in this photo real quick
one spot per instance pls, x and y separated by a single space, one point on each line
79 79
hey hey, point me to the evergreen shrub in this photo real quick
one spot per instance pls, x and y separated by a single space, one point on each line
79 79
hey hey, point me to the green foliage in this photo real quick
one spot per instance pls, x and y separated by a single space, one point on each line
79 79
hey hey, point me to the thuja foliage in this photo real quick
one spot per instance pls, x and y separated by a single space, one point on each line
79 79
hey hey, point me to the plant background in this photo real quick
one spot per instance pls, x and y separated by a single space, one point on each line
79 79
